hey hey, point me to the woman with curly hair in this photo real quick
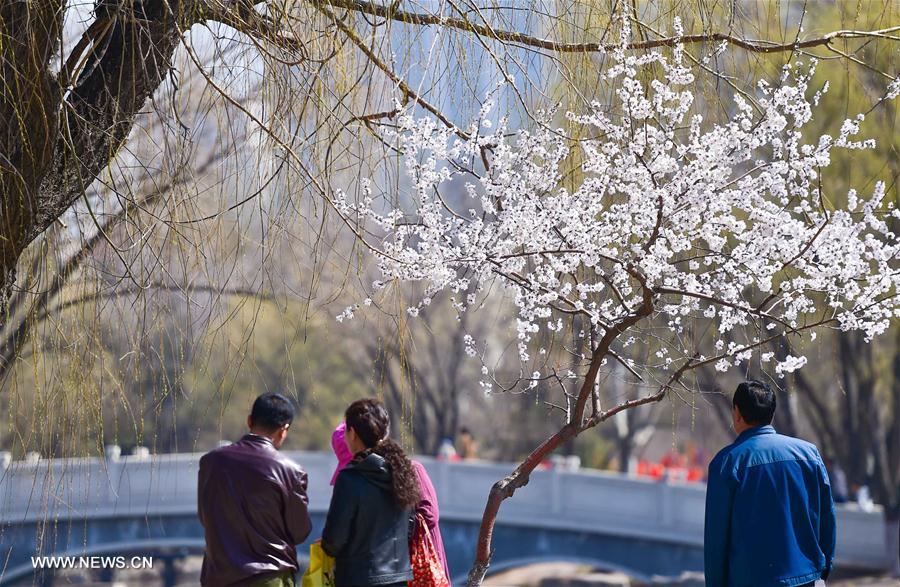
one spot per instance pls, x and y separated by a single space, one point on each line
427 510
368 522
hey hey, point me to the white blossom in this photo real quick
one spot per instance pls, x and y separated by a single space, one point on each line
789 365
893 89
718 222
469 344
347 314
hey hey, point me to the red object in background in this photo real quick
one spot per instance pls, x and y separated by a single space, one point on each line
660 471
673 459
647 469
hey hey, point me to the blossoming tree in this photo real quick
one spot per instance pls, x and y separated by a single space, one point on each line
721 232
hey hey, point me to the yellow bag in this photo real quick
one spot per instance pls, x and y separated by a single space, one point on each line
321 568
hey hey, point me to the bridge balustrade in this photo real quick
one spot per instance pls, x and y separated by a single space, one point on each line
553 505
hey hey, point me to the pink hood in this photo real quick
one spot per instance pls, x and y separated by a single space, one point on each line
341 451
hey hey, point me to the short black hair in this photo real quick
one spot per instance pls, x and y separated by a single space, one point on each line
271 411
755 401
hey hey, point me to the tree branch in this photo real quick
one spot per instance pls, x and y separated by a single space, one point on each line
756 46
506 487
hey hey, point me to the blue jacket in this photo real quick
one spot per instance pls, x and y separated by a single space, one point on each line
769 515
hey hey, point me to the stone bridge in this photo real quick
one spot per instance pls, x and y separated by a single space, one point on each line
146 506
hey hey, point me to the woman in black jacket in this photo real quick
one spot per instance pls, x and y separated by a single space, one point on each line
368 522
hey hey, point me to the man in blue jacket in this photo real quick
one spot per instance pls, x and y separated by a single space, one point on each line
769 515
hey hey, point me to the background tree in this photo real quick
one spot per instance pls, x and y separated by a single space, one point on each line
422 372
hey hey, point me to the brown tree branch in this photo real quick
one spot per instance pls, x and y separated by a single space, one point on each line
30 33
756 46
505 488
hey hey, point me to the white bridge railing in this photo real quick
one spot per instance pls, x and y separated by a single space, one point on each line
592 501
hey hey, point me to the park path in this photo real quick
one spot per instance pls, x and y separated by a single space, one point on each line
574 575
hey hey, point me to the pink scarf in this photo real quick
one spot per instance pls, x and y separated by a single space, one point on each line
341 451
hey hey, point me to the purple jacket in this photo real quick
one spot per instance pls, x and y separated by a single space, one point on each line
253 506
428 509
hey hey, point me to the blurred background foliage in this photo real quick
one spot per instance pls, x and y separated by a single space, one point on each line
205 300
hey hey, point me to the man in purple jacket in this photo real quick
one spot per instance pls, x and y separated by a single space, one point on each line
252 503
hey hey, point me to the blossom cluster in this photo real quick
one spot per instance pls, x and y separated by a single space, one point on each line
723 223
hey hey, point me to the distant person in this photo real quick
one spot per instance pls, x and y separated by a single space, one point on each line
696 456
863 498
252 503
673 459
427 507
769 515
468 448
446 451
839 489
368 524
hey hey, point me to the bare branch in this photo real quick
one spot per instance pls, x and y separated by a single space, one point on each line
756 46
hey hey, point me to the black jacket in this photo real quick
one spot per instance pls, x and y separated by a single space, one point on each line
366 531
253 506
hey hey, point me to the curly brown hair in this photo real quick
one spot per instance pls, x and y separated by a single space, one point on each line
371 422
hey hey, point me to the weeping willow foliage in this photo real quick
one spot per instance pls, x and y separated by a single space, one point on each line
202 264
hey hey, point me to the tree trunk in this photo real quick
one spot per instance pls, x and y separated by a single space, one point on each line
892 542
859 412
504 489
624 454
58 132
